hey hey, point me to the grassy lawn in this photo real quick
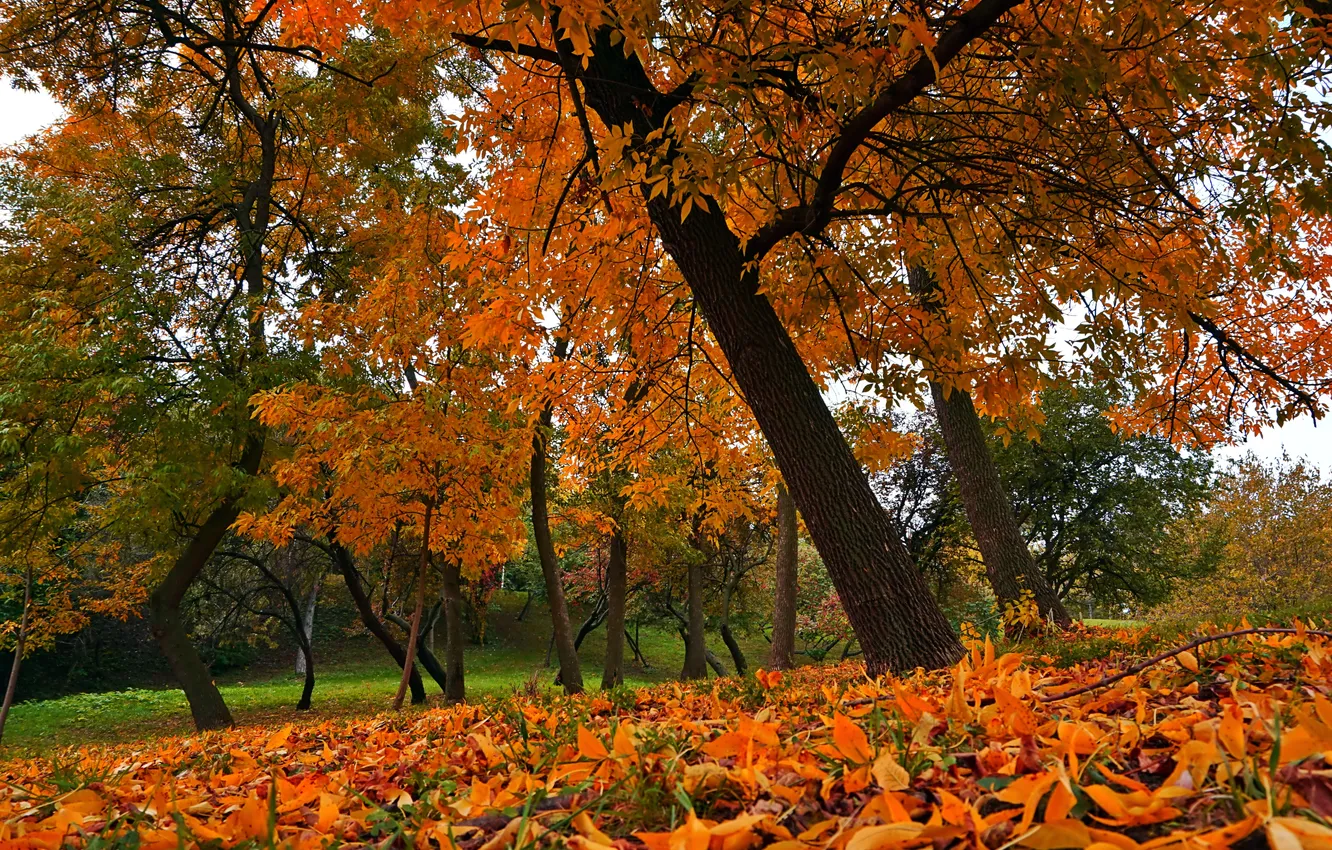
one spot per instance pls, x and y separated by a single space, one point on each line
354 677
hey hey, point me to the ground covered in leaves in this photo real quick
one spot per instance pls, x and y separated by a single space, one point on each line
1221 746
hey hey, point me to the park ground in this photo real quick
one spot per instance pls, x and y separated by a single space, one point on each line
354 678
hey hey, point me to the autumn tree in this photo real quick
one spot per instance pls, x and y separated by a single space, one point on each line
217 161
1261 543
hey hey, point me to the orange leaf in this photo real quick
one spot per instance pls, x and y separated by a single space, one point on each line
850 739
589 746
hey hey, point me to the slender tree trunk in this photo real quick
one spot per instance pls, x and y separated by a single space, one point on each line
596 618
887 600
696 647
19 645
307 690
307 625
636 649
571 673
737 654
456 691
728 637
782 652
617 586
365 608
1008 561
425 655
415 634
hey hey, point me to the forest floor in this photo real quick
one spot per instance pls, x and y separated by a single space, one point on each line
1066 743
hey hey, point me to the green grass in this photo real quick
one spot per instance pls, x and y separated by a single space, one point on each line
354 677
1114 624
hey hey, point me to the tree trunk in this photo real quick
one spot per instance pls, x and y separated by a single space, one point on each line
737 654
696 648
715 663
414 635
425 654
596 618
19 644
307 625
1008 561
782 653
617 584
571 673
887 600
636 649
168 628
456 690
365 608
307 691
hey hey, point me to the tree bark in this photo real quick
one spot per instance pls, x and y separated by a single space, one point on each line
696 647
414 635
19 644
456 688
1008 561
887 601
617 588
782 652
307 624
347 566
571 673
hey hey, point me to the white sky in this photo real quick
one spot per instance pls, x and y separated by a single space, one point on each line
24 113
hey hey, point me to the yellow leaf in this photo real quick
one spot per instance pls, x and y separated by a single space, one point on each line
890 775
583 823
1058 835
1298 834
885 837
1188 661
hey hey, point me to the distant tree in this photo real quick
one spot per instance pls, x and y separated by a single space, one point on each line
1262 544
1096 506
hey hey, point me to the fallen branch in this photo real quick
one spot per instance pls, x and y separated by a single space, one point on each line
1138 668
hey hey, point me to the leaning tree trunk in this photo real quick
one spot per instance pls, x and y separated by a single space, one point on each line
371 620
1008 561
886 598
425 655
19 646
782 654
456 687
728 637
414 635
696 647
168 627
617 589
571 673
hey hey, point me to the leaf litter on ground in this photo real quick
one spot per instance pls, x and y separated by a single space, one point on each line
1225 744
